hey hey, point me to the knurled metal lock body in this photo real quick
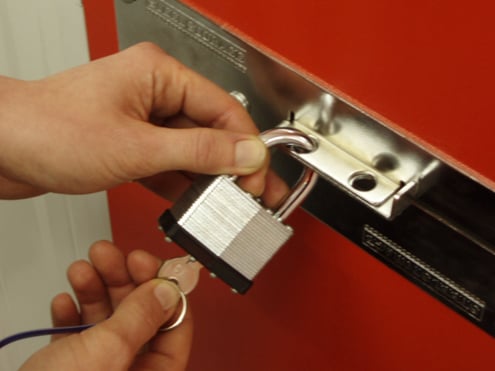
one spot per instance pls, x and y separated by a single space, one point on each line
226 229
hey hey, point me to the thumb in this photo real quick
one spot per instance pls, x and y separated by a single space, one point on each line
135 321
203 150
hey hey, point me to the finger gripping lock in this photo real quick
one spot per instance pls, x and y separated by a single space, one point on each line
226 229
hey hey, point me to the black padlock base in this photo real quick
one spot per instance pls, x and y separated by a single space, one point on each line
195 248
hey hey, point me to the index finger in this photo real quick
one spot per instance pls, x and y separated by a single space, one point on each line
180 90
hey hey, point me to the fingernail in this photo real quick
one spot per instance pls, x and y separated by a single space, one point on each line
250 154
167 294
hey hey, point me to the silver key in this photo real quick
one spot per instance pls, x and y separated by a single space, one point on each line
184 270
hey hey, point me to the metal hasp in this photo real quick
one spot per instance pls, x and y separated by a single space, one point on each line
420 214
363 157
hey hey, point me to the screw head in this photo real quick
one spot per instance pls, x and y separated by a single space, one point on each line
241 98
168 239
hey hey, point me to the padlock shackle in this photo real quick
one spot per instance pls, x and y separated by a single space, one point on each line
294 140
289 137
297 194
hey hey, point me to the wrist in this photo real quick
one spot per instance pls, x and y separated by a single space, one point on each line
13 107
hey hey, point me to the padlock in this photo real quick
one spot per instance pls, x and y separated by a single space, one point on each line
228 230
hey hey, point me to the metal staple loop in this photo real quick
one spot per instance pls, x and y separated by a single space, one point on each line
295 141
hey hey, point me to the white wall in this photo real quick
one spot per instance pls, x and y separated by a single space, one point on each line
40 237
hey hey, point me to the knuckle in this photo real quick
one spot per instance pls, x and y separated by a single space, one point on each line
207 151
116 340
148 48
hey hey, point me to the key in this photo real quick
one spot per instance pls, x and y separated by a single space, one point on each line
184 270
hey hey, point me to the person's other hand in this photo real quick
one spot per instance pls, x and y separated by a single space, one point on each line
88 129
129 307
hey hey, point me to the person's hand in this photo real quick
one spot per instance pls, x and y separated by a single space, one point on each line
129 307
88 129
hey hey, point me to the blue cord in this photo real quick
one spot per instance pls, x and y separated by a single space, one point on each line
42 332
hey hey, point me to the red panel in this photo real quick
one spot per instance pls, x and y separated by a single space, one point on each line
323 303
100 27
425 65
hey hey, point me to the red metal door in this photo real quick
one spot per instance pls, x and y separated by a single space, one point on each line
323 303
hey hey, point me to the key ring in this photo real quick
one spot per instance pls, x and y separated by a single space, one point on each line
183 310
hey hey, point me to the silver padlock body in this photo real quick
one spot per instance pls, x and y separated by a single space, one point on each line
230 224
